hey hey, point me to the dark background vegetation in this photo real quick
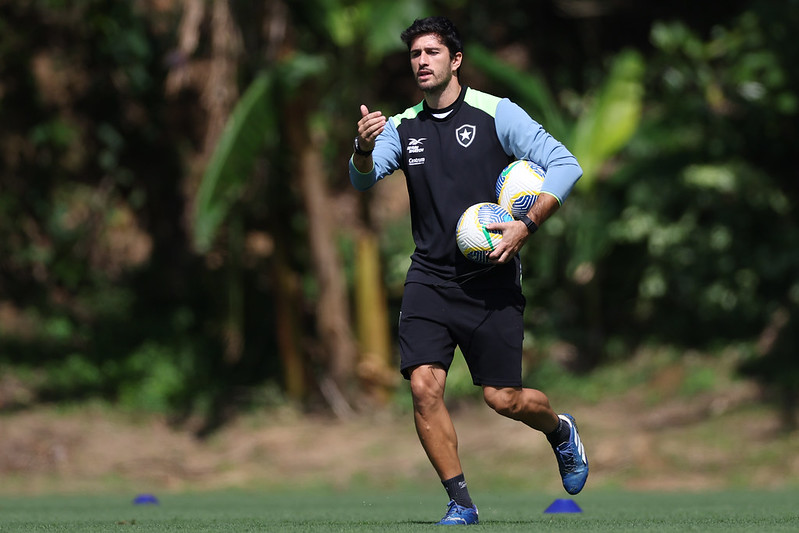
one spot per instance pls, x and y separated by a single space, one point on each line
158 254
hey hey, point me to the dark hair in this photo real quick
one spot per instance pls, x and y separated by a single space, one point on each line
440 26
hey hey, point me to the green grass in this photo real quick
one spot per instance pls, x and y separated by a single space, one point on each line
401 510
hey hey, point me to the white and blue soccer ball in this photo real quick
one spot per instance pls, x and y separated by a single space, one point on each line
518 187
474 240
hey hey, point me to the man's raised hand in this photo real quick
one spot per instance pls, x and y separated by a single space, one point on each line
369 127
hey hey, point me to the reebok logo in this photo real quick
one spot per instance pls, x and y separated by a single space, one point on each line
415 145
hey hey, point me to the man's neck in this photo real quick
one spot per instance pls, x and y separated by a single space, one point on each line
445 97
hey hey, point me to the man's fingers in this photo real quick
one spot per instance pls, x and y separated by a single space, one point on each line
370 126
502 254
498 226
512 241
373 130
371 115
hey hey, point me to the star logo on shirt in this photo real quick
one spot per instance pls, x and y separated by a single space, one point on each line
465 134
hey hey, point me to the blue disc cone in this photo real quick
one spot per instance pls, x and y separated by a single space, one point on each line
145 499
563 506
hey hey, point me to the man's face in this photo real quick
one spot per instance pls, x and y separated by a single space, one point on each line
431 63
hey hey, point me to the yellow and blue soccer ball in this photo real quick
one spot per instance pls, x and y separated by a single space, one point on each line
518 186
474 240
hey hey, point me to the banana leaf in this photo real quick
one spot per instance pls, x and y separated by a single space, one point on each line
527 90
252 125
610 122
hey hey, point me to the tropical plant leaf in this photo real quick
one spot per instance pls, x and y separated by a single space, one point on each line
253 127
252 124
608 124
385 21
528 90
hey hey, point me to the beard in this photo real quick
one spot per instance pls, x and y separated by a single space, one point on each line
434 84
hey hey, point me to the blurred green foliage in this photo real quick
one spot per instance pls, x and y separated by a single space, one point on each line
683 233
698 214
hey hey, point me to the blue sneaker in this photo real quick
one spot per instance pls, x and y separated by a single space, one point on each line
459 515
572 461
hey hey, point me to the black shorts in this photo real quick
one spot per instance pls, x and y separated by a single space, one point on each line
485 323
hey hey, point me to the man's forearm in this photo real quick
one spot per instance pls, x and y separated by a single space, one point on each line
544 206
363 163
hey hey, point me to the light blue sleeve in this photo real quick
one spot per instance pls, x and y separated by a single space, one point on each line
386 158
524 138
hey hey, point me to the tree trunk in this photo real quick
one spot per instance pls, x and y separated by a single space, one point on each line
287 324
332 307
375 370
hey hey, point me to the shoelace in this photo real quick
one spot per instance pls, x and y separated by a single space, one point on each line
566 454
453 508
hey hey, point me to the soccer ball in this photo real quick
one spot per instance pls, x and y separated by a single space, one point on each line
518 187
474 240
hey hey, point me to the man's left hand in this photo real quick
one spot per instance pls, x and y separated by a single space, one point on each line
514 235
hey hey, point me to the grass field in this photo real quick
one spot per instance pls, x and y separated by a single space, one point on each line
401 510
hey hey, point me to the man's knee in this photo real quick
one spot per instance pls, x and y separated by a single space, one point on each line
427 384
504 400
